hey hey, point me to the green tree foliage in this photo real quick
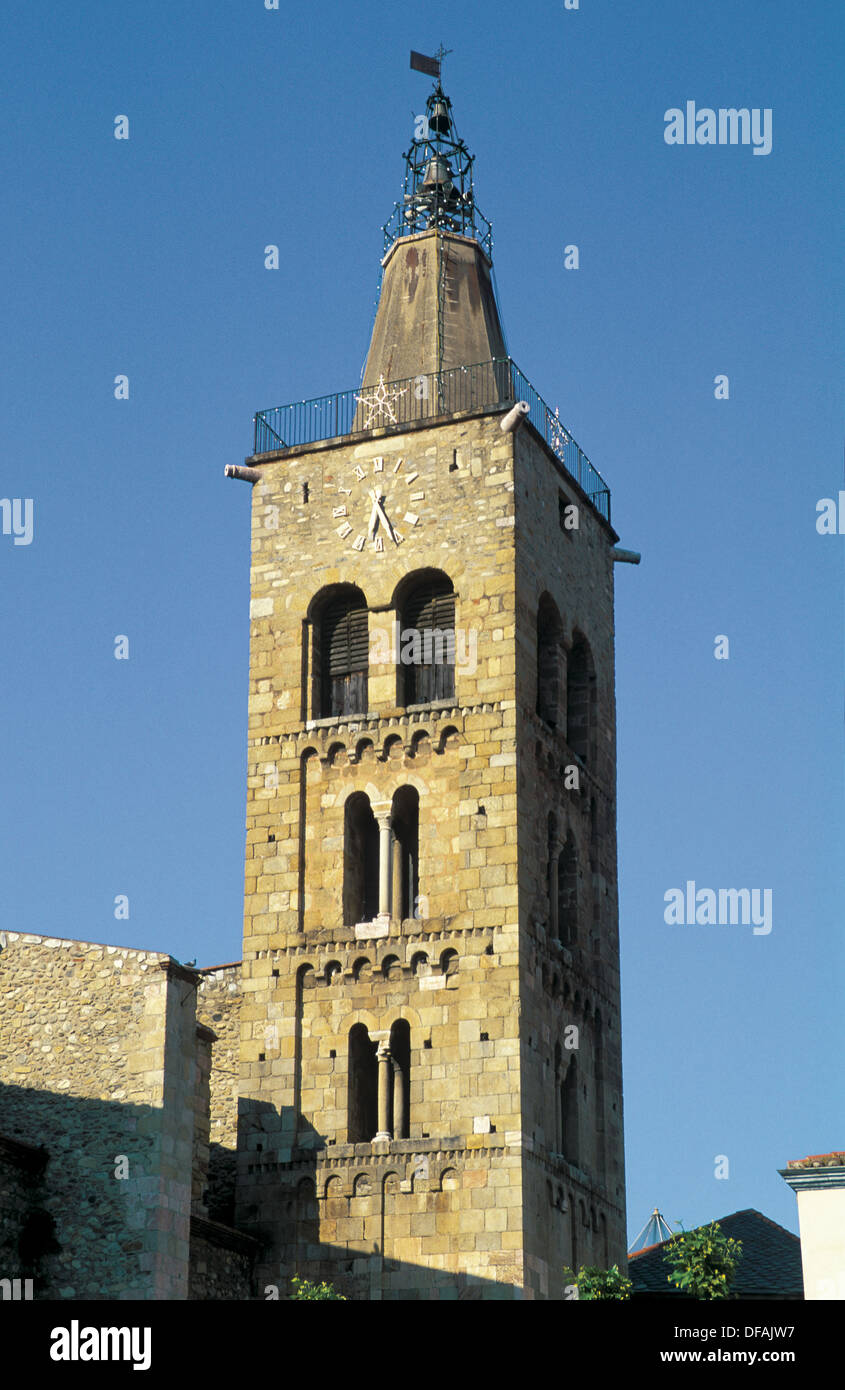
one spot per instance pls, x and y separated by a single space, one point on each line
703 1262
592 1282
304 1288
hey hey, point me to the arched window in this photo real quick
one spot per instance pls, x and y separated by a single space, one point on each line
567 893
340 654
449 962
569 1113
580 700
362 1110
405 822
549 634
400 1054
360 861
426 652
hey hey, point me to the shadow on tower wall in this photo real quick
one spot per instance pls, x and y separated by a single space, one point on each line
356 1215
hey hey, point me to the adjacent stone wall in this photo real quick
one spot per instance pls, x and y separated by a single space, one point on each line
25 1227
97 1064
221 1262
219 1008
202 1122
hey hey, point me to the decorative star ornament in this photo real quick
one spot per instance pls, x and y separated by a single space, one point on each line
558 437
380 404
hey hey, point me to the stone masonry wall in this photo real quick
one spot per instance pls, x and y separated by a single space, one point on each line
96 1058
575 1199
321 1202
221 1263
25 1228
219 1008
489 992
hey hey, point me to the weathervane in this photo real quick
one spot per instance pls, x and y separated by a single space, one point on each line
431 66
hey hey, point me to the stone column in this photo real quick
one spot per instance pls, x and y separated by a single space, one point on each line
396 900
384 837
398 1101
383 1092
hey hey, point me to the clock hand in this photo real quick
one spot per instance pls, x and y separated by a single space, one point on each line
378 507
373 516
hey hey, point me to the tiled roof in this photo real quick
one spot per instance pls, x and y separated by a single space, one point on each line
834 1160
770 1266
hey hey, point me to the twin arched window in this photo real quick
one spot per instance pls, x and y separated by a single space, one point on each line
422 642
378 1105
578 718
381 858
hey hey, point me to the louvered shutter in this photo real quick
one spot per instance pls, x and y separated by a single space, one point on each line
432 609
348 639
345 658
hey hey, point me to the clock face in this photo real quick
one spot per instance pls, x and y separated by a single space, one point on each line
380 505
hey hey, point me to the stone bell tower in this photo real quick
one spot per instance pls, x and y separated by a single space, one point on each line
430 1077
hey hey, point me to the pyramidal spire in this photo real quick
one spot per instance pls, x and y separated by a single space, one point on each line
437 307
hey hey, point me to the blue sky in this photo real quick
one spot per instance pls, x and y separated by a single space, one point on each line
145 257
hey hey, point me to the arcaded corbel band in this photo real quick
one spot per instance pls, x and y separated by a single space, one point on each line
514 417
247 475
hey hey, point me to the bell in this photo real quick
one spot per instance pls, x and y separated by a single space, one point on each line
439 120
438 174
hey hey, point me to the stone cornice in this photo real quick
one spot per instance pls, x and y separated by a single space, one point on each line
814 1179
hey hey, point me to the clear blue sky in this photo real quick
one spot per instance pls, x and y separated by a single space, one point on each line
145 257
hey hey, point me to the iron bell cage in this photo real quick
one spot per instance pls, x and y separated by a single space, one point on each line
438 181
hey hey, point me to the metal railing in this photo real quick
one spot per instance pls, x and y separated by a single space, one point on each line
409 217
393 404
